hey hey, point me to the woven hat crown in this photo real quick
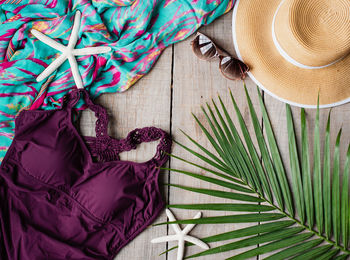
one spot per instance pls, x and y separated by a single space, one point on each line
314 33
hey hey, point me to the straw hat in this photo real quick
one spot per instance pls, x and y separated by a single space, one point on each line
296 49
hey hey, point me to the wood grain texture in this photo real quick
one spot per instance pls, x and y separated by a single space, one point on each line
179 84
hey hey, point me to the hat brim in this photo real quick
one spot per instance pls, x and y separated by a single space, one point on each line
252 36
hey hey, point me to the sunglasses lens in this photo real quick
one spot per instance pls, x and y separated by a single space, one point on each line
203 47
233 68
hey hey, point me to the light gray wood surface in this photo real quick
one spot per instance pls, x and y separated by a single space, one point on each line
176 87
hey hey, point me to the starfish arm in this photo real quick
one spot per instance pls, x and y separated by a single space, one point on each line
189 227
75 71
171 217
165 239
48 41
91 50
196 241
51 68
181 249
75 31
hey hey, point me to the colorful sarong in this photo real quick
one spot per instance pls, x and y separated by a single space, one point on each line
137 31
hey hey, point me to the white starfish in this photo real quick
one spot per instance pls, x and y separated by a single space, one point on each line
68 52
181 235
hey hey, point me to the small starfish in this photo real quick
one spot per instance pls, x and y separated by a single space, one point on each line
181 235
68 52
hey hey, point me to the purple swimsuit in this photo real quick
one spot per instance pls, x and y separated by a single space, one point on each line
63 197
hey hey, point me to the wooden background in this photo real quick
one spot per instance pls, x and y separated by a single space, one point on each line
177 85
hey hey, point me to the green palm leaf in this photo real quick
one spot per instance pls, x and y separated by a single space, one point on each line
336 192
216 181
312 222
225 207
275 154
245 154
318 194
220 194
306 172
313 253
267 237
270 170
295 167
273 246
294 250
244 218
327 181
345 206
254 230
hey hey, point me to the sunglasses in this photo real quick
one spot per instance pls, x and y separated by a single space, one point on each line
230 67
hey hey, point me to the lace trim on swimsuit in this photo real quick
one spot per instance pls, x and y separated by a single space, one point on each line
106 148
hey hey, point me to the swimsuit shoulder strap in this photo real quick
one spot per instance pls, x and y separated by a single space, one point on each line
101 126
